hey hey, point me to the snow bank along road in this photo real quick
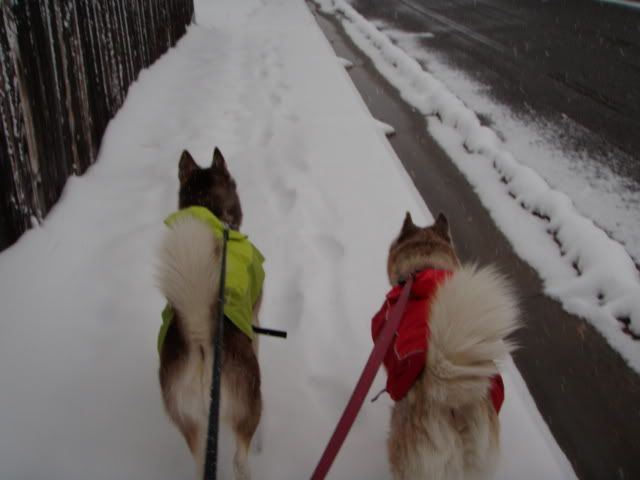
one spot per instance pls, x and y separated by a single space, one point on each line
323 195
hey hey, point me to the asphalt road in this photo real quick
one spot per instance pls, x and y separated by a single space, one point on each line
584 390
579 58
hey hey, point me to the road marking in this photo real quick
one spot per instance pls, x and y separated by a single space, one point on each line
456 26
625 3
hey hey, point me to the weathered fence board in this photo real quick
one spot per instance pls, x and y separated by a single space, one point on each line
65 67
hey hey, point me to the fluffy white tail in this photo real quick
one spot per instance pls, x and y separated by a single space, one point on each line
189 275
472 315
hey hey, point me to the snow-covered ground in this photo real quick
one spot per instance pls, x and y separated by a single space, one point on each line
540 197
323 195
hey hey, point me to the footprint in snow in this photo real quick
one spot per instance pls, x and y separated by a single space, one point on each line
291 304
330 391
330 246
276 98
285 196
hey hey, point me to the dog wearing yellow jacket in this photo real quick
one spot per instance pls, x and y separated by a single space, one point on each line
188 276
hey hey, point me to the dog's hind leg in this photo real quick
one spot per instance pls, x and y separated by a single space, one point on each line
241 460
244 429
198 448
241 380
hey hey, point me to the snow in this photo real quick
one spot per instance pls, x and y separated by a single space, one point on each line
323 195
387 129
591 274
345 63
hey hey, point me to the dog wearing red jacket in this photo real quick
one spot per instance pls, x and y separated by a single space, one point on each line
442 367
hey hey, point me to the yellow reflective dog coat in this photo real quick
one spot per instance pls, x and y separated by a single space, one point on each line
244 273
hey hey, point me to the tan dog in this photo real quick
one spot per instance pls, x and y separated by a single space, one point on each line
188 276
446 426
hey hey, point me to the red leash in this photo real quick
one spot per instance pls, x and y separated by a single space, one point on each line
363 385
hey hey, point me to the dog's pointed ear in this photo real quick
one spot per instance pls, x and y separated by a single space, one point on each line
218 162
408 225
441 226
186 166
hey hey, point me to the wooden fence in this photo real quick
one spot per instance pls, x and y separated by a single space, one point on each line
65 67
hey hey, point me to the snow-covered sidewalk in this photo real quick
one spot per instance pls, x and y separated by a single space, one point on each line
323 195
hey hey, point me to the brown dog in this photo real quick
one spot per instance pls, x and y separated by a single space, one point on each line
446 425
188 276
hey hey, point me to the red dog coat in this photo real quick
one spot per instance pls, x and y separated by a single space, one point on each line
406 357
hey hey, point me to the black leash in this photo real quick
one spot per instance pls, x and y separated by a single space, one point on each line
269 331
211 458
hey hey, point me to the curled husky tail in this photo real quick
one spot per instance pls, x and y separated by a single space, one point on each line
471 316
189 276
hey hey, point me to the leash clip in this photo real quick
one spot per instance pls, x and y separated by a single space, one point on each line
377 395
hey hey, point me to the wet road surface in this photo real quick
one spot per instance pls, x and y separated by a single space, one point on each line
573 58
